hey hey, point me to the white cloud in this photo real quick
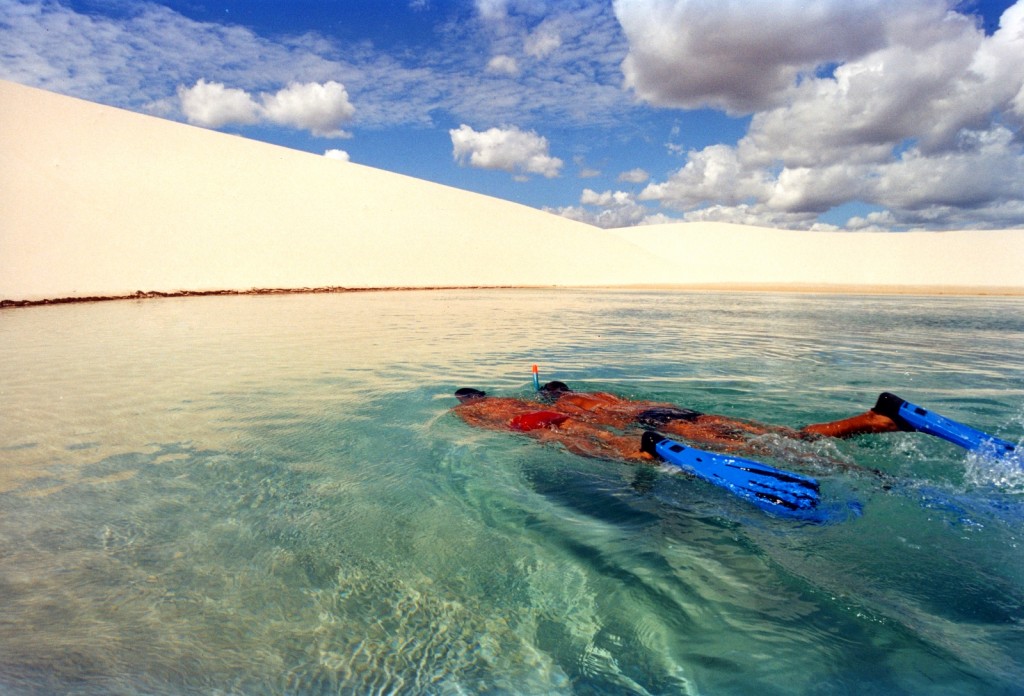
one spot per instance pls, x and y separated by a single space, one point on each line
137 58
634 176
607 199
608 219
503 65
615 217
212 105
492 10
919 123
979 184
928 91
616 209
543 40
320 109
585 171
715 173
743 56
141 55
817 190
507 149
340 155
566 56
1001 58
879 221
987 169
499 11
753 214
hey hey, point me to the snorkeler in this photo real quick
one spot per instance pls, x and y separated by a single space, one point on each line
613 411
581 423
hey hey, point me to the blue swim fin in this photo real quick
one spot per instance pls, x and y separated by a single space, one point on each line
771 489
911 417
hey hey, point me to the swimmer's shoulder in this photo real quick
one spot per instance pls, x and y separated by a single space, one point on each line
585 399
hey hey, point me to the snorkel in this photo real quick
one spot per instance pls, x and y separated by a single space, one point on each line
536 379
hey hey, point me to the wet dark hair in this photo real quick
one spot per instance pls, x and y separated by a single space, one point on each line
555 388
468 394
552 390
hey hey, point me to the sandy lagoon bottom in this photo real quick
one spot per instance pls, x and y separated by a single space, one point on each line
268 495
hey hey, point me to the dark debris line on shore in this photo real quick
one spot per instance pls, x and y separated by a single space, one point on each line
153 294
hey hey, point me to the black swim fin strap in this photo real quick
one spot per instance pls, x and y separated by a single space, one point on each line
889 405
649 443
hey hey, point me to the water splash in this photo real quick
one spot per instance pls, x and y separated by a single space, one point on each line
1003 472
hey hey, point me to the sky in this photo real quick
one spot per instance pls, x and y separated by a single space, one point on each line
812 114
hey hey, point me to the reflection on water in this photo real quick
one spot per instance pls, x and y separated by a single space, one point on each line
267 495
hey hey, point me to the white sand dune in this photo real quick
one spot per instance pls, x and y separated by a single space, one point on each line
98 201
713 254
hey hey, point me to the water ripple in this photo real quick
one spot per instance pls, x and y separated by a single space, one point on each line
267 495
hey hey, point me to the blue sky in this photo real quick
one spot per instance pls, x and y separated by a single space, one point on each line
819 114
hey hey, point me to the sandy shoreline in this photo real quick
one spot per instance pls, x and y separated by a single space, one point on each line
152 295
908 290
100 203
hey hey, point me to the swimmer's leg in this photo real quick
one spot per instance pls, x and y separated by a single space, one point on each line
868 423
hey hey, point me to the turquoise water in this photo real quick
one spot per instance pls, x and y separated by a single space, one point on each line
267 495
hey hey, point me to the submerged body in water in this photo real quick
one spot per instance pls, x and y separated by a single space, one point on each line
591 424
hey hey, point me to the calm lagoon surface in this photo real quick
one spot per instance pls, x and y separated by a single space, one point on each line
268 495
